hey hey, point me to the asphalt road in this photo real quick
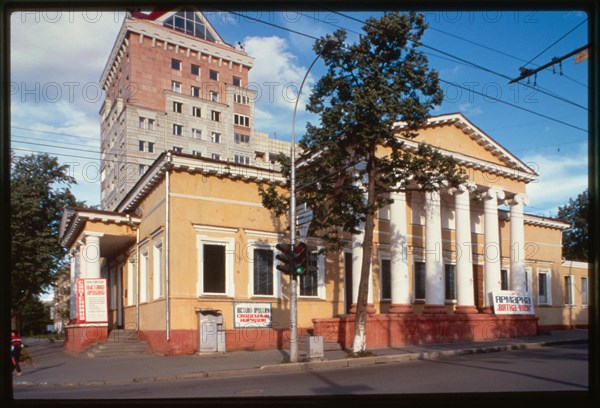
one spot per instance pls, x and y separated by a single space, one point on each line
561 368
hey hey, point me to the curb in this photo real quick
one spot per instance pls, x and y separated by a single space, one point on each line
307 366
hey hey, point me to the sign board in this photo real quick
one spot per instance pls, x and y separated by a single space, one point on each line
252 315
92 300
510 302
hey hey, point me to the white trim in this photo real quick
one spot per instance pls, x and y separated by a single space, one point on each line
570 289
131 292
212 228
575 264
217 200
548 273
265 234
144 275
157 270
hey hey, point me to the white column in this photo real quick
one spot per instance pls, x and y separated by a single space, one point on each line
491 258
434 262
73 284
517 243
91 255
399 255
464 256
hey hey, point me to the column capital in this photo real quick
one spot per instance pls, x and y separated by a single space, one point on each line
494 193
517 199
467 187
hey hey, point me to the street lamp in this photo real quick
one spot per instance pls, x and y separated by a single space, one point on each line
332 41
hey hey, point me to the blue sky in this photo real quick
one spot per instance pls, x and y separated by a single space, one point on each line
57 59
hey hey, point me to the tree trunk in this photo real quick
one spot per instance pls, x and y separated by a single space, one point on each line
360 324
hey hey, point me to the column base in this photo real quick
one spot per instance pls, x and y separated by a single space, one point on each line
370 308
466 310
487 310
434 309
400 309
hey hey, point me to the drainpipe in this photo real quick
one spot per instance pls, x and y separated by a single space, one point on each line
167 202
137 280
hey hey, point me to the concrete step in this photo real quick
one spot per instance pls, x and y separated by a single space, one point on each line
119 343
328 345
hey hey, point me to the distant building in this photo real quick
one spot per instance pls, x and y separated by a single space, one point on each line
61 303
172 83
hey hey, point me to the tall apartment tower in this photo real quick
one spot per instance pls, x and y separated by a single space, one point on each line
172 83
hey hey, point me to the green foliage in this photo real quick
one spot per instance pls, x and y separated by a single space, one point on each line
576 240
35 318
40 189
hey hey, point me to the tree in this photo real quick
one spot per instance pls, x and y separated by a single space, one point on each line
35 317
354 159
40 189
576 239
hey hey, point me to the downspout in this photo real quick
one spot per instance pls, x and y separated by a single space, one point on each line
167 286
137 279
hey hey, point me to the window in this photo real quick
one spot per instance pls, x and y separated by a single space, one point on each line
176 86
177 129
213 273
150 147
309 282
150 124
450 282
241 120
195 69
215 116
584 291
216 137
196 134
214 96
385 276
419 278
503 279
241 159
177 107
196 111
263 271
142 123
197 153
157 271
131 290
241 99
175 64
569 290
144 277
188 22
177 149
237 81
196 91
214 75
141 169
141 144
241 139
544 297
215 156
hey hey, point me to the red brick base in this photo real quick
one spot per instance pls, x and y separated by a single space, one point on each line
78 338
400 330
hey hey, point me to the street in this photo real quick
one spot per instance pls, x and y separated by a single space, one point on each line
558 368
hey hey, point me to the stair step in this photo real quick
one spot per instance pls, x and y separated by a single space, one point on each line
120 342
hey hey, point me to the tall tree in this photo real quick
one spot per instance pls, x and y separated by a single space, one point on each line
356 156
40 189
576 239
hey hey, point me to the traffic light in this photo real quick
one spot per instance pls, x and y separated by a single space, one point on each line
285 257
300 258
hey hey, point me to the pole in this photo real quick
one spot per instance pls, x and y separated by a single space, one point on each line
293 277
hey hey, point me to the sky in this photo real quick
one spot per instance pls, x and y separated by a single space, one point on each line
57 58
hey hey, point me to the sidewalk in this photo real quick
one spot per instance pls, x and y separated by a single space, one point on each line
53 367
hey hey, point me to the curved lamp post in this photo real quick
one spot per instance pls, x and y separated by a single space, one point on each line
332 41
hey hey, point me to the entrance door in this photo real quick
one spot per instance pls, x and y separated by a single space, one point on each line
478 285
348 280
120 297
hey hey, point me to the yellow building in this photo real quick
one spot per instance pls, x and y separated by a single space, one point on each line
189 258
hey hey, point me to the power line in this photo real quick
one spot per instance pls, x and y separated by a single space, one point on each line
54 133
556 42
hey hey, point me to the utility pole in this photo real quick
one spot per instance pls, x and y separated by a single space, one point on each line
526 73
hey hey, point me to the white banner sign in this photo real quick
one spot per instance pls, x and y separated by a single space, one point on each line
510 302
92 301
252 315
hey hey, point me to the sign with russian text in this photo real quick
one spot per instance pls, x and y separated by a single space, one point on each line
252 315
92 301
510 302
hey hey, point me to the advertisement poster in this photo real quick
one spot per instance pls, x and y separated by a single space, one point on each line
92 301
510 302
254 315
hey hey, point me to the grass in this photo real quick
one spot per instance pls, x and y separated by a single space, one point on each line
360 354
